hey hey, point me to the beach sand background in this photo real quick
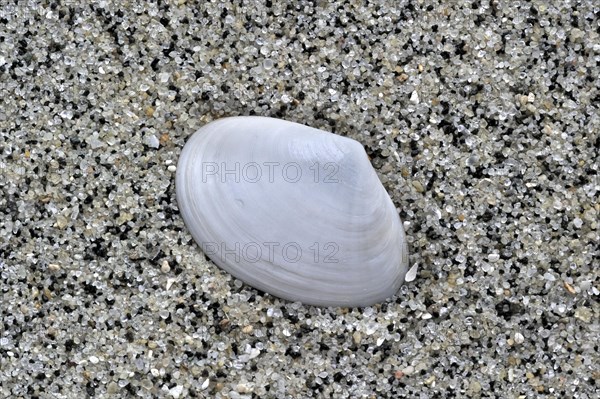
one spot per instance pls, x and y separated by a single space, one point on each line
481 119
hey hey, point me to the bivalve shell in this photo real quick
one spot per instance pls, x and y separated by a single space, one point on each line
294 211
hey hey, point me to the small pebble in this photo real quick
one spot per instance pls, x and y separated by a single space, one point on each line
247 329
242 388
268 64
584 314
493 258
61 221
414 97
418 186
164 267
569 288
176 391
53 267
112 388
151 141
519 338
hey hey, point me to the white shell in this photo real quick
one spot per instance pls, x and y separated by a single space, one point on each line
292 210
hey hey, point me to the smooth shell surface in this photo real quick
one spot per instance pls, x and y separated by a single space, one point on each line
291 210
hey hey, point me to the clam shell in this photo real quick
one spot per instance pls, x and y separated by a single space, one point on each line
291 210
